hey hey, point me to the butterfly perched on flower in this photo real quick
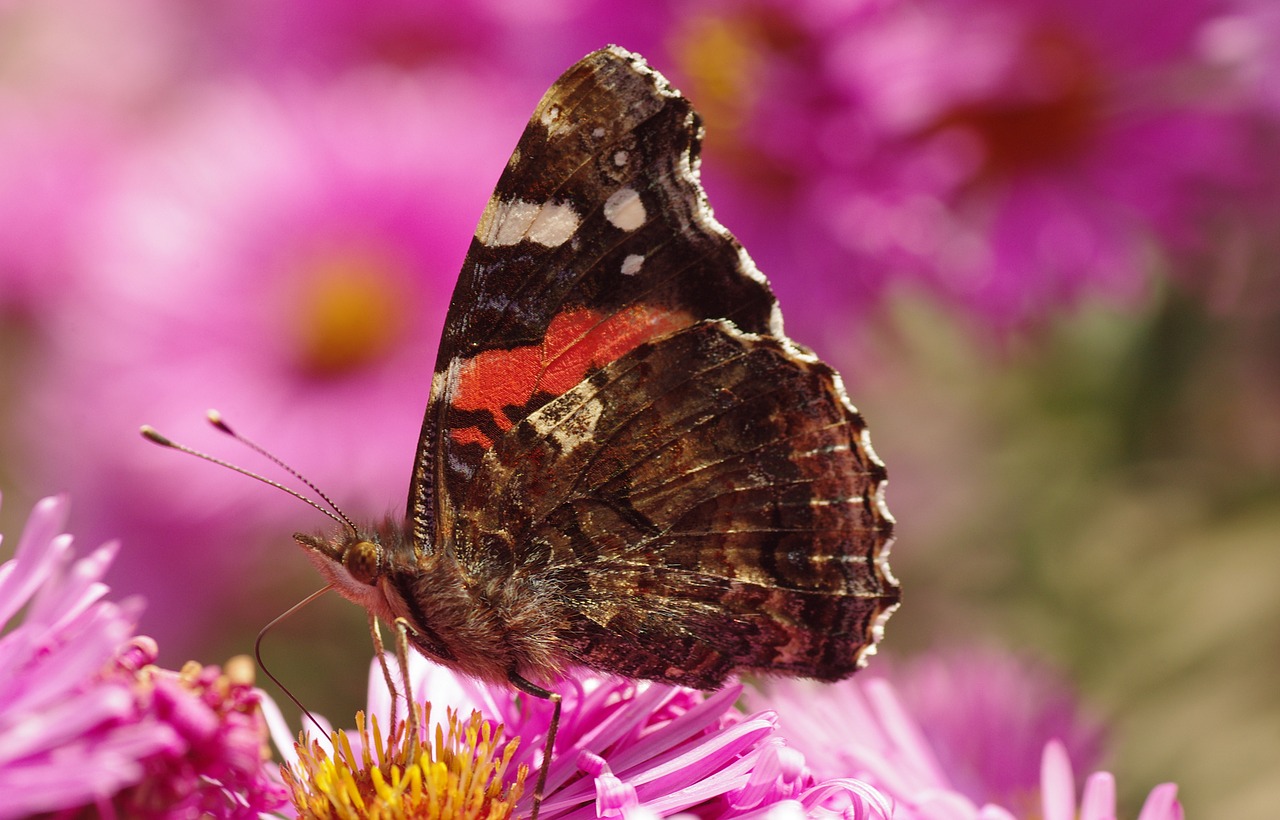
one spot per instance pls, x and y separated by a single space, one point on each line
625 464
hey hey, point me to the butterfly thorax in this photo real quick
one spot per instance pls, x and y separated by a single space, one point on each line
487 625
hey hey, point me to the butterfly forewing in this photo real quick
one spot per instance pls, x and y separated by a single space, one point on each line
596 239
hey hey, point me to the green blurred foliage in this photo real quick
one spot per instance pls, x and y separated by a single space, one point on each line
1106 495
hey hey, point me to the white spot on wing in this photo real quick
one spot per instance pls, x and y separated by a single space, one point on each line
631 265
598 133
505 223
624 210
556 222
620 158
510 222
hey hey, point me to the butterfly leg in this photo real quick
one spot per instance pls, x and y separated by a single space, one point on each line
380 652
403 629
538 692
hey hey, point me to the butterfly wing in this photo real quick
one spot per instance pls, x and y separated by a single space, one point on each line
618 424
597 238
705 504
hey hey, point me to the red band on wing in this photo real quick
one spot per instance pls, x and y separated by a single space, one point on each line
576 341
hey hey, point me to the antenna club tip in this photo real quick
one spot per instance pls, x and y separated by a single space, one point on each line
151 434
215 418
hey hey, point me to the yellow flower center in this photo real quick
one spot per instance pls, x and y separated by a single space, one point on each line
718 58
460 774
721 61
349 311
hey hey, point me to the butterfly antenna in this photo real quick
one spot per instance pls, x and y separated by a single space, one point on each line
154 436
215 418
257 653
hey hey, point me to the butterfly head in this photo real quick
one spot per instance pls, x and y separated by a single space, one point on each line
353 562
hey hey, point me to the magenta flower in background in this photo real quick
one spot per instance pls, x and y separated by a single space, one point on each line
1012 156
913 749
327 37
523 46
987 715
288 259
63 121
50 165
87 722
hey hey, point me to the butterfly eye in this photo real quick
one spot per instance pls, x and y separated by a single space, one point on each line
361 561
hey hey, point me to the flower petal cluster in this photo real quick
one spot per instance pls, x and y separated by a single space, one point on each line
861 748
87 720
219 765
67 737
623 748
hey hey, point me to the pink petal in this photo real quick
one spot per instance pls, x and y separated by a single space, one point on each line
1162 804
1099 799
1057 784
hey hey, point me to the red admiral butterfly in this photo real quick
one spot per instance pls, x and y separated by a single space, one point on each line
625 464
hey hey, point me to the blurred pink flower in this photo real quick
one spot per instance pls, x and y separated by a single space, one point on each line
633 749
1014 157
59 51
1098 801
864 728
63 119
86 721
51 163
327 37
1246 41
490 40
987 715
983 716
288 259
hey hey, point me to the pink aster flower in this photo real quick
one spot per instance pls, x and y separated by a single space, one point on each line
1012 156
87 722
866 729
624 748
50 166
288 259
987 715
326 38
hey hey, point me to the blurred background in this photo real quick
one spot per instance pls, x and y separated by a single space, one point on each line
1039 239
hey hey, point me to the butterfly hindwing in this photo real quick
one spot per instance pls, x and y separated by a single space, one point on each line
706 503
597 238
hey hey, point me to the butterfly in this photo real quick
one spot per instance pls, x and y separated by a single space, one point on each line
625 464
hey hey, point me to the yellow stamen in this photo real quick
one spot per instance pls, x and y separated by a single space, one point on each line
459 775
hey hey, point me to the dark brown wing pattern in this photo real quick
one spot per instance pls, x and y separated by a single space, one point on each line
707 503
620 431
597 238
